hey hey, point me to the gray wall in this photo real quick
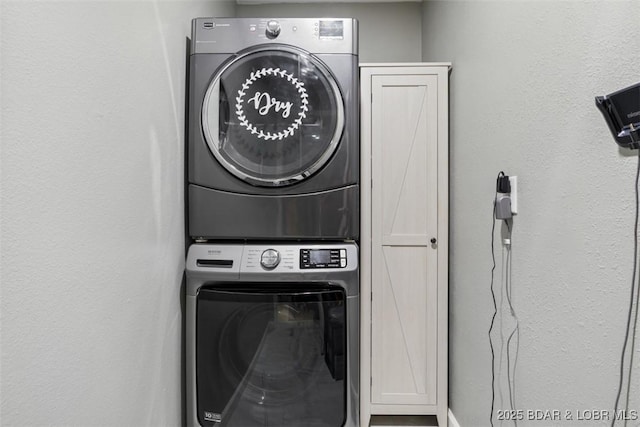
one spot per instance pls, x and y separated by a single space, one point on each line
92 210
389 32
522 88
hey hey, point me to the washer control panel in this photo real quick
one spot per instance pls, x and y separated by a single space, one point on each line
270 259
257 258
233 260
323 258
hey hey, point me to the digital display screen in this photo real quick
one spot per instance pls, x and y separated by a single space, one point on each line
320 256
331 30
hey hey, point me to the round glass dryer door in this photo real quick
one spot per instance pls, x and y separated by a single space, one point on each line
273 116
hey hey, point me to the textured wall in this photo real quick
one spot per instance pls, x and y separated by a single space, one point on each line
389 32
522 88
92 210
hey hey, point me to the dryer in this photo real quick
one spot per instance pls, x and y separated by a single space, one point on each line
273 137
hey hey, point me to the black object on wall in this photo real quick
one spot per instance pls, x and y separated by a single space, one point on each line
621 111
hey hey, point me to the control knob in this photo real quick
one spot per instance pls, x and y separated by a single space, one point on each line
270 259
273 29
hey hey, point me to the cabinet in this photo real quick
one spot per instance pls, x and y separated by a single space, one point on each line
404 240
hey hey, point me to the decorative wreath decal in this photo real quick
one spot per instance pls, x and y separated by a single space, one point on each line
276 72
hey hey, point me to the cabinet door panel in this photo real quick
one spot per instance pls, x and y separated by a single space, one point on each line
404 219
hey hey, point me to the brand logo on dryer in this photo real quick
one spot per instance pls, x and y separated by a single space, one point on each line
271 94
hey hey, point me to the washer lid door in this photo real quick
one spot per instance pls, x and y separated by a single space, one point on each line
273 116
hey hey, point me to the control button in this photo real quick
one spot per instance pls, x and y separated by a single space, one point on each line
252 29
343 253
270 259
273 29
343 263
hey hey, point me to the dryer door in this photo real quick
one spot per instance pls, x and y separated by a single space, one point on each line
273 116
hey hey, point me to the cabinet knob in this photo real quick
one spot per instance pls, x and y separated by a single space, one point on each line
433 240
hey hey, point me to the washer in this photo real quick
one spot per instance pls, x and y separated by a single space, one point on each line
273 137
272 335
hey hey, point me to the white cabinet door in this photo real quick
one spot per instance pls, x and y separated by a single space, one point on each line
404 220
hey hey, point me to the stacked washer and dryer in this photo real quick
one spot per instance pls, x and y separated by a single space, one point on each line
272 295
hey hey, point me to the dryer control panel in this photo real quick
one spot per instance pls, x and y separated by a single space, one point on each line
315 35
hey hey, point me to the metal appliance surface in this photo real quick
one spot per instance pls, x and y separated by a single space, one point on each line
273 129
272 335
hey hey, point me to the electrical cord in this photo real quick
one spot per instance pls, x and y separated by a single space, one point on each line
516 331
507 291
635 320
631 305
500 324
506 281
495 306
632 355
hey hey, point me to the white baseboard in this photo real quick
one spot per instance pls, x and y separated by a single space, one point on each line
452 420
